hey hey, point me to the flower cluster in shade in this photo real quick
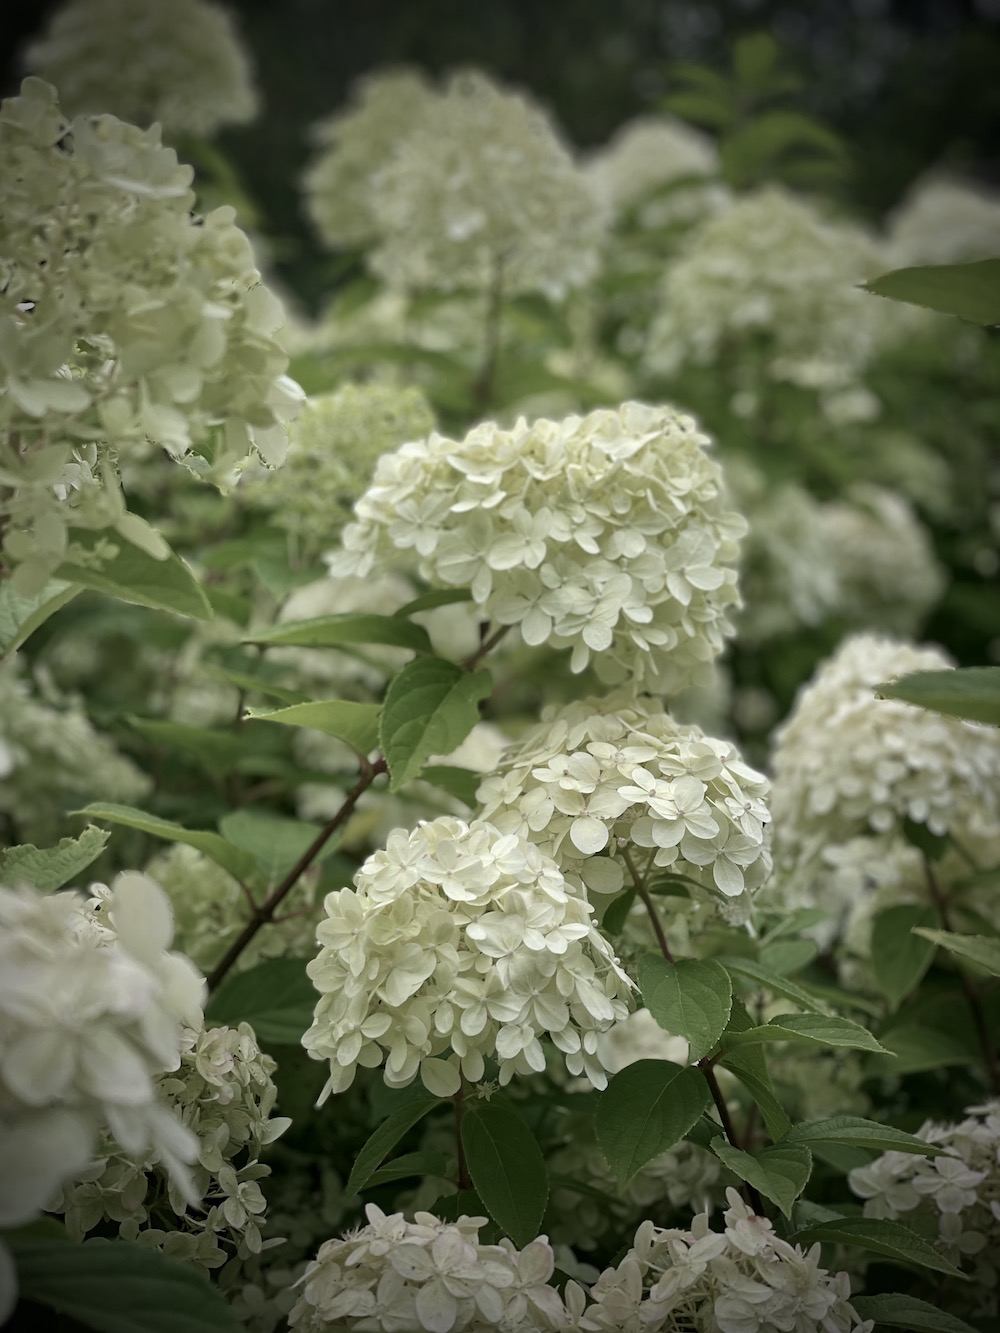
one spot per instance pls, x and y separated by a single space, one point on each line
744 1279
124 320
958 1193
944 221
606 534
460 944
182 65
223 1093
428 1276
772 278
619 776
53 758
333 446
90 1017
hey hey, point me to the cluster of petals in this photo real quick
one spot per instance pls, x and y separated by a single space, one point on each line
619 776
958 1192
90 1014
606 534
943 220
428 1276
460 943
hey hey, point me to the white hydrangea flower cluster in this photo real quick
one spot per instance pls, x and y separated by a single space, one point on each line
223 1093
182 65
428 1275
744 1279
460 943
618 775
123 319
942 221
334 445
480 193
52 758
959 1190
772 270
605 533
849 765
89 1017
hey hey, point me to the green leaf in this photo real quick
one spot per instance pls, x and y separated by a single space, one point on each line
919 1048
900 1311
49 868
701 108
354 724
275 842
616 912
983 950
247 681
215 750
333 631
970 291
21 616
507 1168
750 1067
890 1239
411 1164
780 1172
691 999
239 864
855 1132
770 980
788 956
430 707
114 1286
276 998
900 958
429 601
134 576
815 1029
462 783
647 1108
380 1144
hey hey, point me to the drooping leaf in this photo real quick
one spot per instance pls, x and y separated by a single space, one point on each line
983 950
854 1131
750 1067
507 1168
134 576
970 291
900 958
897 1310
275 842
647 1108
21 616
354 724
409 1165
771 980
892 1240
216 848
348 628
49 868
430 707
815 1029
276 998
780 1172
381 1142
429 601
692 998
216 750
918 1048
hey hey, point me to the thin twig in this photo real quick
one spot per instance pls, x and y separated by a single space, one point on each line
488 644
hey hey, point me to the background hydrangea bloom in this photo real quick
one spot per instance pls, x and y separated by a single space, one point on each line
605 533
942 221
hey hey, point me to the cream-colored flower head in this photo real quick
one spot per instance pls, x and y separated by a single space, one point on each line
123 319
619 776
943 221
606 534
773 273
481 193
180 64
355 144
460 943
90 1014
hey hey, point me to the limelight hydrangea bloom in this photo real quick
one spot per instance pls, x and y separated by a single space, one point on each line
181 64
460 943
480 193
618 775
428 1275
605 533
89 1016
223 1093
123 319
959 1192
773 270
943 221
744 1279
356 143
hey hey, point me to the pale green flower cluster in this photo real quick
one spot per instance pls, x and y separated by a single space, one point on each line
223 1094
123 319
958 1193
774 278
52 759
333 447
182 65
942 221
606 534
90 1017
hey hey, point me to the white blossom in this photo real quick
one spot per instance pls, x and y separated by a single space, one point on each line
943 221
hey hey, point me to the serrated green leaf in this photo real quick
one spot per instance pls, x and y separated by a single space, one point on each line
900 958
348 628
788 956
276 998
692 998
970 291
918 1048
897 1310
276 843
380 1144
354 724
114 1286
21 616
892 1240
750 1067
780 1172
983 950
507 1168
134 576
462 783
771 980
855 1132
49 868
816 1029
216 848
409 1165
647 1108
430 707
215 750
